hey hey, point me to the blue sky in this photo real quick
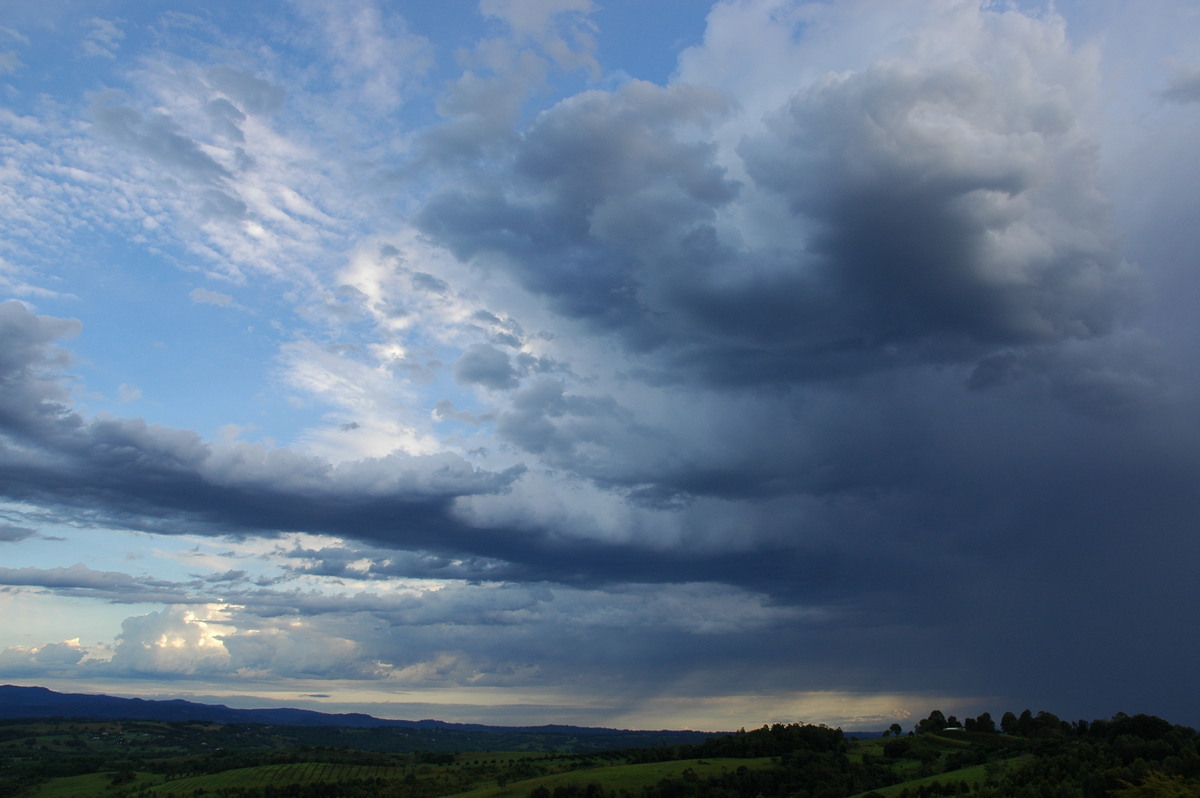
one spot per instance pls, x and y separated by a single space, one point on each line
671 365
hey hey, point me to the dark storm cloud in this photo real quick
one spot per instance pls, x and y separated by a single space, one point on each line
955 422
389 563
480 113
598 178
231 576
1126 374
876 361
25 360
926 199
544 419
487 366
81 581
14 534
940 214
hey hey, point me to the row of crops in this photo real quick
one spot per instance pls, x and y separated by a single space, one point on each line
298 773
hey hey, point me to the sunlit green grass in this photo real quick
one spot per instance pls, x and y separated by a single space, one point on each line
973 775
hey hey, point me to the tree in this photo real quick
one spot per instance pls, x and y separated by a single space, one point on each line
934 723
1047 724
1157 785
984 723
1008 723
895 729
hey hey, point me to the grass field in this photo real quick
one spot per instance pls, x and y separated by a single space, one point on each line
616 777
612 776
88 785
196 759
973 776
278 775
97 784
490 774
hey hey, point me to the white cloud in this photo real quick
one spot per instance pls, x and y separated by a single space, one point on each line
560 27
50 658
202 296
179 641
104 38
684 377
10 62
371 417
370 51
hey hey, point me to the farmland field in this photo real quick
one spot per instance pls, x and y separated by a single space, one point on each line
618 776
279 775
87 759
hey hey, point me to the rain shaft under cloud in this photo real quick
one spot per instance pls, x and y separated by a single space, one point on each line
838 372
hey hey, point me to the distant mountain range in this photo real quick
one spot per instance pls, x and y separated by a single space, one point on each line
38 702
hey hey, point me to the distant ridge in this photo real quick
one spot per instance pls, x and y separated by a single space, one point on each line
39 702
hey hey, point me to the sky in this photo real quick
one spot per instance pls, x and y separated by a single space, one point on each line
670 365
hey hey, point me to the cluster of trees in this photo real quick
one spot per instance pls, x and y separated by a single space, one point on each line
1043 725
1028 756
1138 756
1025 755
937 721
775 740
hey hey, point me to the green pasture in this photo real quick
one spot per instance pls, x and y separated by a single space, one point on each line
951 739
91 784
974 776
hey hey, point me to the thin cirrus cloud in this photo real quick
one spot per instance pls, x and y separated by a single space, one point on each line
822 368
